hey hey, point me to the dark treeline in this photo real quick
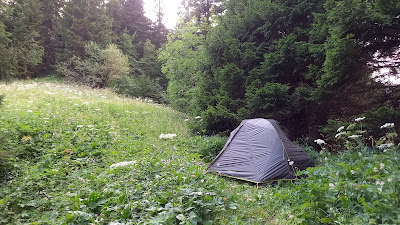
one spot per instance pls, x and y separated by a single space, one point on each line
94 42
301 62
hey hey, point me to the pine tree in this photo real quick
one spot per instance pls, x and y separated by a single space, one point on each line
50 10
6 54
25 25
159 31
83 21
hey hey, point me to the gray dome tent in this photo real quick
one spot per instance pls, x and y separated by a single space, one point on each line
258 151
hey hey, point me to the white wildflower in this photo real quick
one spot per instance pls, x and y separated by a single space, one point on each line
387 125
339 134
360 119
79 126
121 164
291 163
354 136
331 185
377 182
326 158
383 146
390 180
167 136
319 141
375 169
359 153
352 171
382 183
381 165
340 128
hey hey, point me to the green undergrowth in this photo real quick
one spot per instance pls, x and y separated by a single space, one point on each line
62 141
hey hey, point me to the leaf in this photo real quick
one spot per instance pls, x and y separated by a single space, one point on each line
326 220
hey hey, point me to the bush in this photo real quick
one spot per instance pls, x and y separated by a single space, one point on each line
97 68
140 86
116 63
209 147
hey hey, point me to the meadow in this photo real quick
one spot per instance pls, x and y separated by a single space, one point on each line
76 155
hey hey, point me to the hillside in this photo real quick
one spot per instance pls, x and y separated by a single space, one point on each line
68 143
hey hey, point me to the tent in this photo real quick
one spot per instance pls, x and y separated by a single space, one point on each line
258 151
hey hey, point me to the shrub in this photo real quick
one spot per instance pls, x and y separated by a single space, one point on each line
209 147
140 86
116 63
97 68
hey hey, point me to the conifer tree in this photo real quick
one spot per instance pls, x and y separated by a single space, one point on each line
6 54
25 24
83 21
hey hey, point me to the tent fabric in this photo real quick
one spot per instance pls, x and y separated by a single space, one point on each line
258 151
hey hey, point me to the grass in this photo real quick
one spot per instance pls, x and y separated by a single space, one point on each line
62 139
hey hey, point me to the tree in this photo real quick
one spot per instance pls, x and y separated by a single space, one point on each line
97 67
25 23
116 63
6 54
50 9
159 31
290 60
181 60
201 10
83 21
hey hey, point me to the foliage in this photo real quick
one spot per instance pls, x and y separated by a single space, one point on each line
140 86
97 68
64 171
24 24
6 54
181 59
77 27
287 60
67 137
370 127
209 147
116 63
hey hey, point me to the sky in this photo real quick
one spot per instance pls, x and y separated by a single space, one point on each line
171 8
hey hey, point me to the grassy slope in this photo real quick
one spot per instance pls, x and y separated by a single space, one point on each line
65 138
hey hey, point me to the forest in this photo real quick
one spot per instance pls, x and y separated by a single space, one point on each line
108 117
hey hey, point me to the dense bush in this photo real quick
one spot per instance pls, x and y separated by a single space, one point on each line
209 147
97 68
140 86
